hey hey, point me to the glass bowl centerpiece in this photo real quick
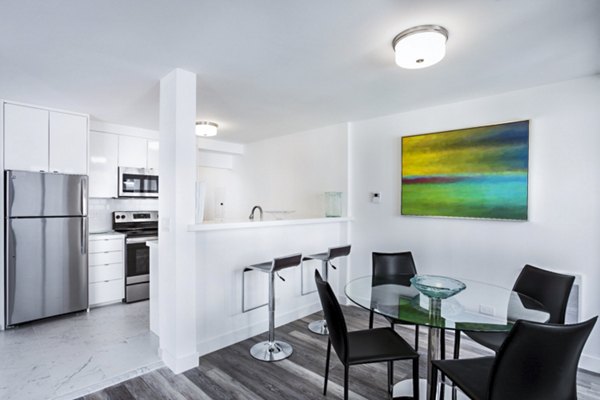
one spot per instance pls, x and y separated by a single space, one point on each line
437 287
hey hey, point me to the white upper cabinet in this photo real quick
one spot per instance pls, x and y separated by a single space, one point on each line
153 154
104 156
25 138
132 152
37 139
68 143
110 151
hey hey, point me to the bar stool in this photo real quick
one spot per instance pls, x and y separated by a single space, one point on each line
273 350
320 327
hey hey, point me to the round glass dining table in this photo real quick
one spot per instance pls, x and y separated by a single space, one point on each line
480 307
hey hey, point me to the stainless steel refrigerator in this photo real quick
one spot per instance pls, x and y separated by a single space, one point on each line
46 249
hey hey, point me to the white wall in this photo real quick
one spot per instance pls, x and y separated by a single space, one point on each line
224 185
563 231
293 172
289 172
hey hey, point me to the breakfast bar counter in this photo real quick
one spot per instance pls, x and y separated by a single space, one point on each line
246 224
224 249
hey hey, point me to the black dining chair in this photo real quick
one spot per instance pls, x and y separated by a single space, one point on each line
549 288
364 346
536 361
394 266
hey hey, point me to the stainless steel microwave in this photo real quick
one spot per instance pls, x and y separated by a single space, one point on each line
138 182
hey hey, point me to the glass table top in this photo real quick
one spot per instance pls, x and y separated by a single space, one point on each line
479 307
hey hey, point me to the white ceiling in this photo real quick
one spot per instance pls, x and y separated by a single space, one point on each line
268 68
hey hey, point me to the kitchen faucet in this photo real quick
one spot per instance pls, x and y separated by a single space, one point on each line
251 217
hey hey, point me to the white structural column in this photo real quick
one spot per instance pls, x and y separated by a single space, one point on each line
177 246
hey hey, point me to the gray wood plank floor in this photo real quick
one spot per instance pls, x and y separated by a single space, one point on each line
231 373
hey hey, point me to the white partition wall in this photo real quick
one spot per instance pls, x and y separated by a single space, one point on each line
177 255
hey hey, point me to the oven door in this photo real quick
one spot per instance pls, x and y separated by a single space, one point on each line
137 268
137 182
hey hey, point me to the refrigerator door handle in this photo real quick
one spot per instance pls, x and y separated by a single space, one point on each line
84 236
84 196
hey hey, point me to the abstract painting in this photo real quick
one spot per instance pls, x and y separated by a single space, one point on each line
467 173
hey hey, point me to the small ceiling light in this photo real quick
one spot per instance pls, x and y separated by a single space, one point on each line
206 128
420 46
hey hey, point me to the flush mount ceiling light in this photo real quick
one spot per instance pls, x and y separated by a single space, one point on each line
206 128
420 46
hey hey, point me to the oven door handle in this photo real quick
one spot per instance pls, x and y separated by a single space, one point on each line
140 240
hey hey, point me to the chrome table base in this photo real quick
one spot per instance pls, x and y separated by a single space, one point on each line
319 327
271 351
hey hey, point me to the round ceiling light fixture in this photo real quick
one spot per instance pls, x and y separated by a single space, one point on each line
206 128
421 46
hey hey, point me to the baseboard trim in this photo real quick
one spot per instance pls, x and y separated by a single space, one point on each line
590 363
178 364
234 336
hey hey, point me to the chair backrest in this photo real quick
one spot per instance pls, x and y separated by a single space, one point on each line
335 252
393 265
336 323
539 361
549 288
286 262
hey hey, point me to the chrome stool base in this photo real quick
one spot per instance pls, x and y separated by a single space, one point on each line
271 351
319 327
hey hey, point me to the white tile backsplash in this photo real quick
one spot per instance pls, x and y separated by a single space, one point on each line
100 211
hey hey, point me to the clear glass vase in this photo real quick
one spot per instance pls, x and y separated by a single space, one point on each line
333 204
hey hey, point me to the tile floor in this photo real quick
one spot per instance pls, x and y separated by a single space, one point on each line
70 356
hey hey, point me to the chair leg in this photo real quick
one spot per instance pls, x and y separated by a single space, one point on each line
371 319
416 337
416 378
456 344
456 356
434 373
346 367
390 380
327 367
442 344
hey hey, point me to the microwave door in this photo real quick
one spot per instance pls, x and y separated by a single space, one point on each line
137 183
151 184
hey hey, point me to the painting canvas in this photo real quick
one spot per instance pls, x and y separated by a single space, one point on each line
467 173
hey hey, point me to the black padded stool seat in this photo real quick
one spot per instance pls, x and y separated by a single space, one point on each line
271 349
320 327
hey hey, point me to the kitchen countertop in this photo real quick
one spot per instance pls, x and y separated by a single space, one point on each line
106 235
217 226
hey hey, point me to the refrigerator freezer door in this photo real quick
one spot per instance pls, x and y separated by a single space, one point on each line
35 194
47 267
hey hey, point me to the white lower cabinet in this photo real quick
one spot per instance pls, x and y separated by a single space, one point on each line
107 268
106 292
